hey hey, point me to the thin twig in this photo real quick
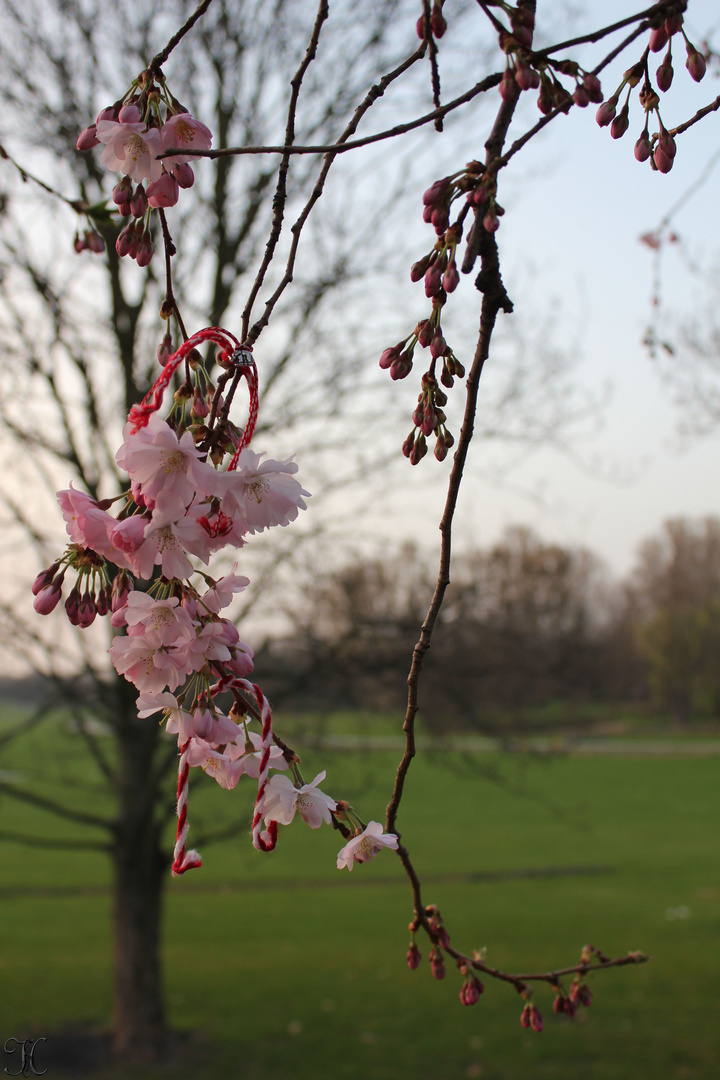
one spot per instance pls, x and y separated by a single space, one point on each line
170 250
342 146
75 204
281 187
157 61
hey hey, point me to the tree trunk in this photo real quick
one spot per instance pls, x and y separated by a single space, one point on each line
140 867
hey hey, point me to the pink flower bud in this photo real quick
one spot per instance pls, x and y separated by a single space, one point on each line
102 603
433 280
110 113
658 38
72 605
525 1017
129 114
559 1004
438 344
428 212
663 163
122 192
184 174
422 31
440 219
438 25
163 192
440 450
606 113
413 953
146 250
507 85
642 147
664 75
94 242
526 77
536 1021
673 24
437 964
451 277
87 138
620 124
425 333
491 222
86 611
581 97
471 991
44 578
417 270
407 447
389 356
124 241
545 101
199 405
46 599
79 244
417 453
436 193
593 87
138 202
695 63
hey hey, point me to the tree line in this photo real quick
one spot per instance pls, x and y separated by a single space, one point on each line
527 623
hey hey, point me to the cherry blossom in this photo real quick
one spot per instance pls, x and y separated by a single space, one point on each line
145 662
364 847
261 493
166 618
130 149
184 132
156 460
282 799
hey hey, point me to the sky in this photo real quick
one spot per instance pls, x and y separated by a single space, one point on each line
576 205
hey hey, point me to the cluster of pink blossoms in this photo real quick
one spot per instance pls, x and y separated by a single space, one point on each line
135 133
173 644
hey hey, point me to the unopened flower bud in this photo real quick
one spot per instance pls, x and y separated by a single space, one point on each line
124 241
673 24
440 219
165 350
102 603
491 222
695 63
146 250
664 74
559 1004
437 192
593 87
437 345
471 991
417 270
536 1021
86 611
72 605
413 953
407 450
163 192
642 147
526 77
79 244
437 963
122 192
545 101
658 38
581 96
508 85
425 332
87 138
129 114
606 113
139 203
46 598
94 241
417 453
433 280
620 124
184 174
438 24
525 1017
451 277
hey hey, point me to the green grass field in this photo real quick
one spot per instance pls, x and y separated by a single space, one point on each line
281 967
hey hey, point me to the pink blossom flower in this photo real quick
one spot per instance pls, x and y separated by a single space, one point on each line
207 645
156 460
144 661
261 493
165 191
282 799
166 618
216 764
184 132
177 720
89 526
364 847
247 752
222 592
169 535
130 149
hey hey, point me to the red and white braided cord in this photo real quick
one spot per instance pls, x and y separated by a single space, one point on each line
263 839
232 352
183 860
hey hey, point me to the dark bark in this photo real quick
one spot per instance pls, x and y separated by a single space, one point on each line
140 871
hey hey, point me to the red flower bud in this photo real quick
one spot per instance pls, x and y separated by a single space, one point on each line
436 192
658 38
87 138
606 113
138 203
438 24
525 1017
642 147
673 24
664 74
695 63
184 174
536 1021
620 124
507 85
433 280
413 953
46 599
451 277
581 97
491 222
593 87
94 242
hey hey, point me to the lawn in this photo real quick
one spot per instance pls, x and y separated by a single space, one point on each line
278 966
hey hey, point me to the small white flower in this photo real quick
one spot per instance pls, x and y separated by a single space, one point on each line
282 799
364 847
